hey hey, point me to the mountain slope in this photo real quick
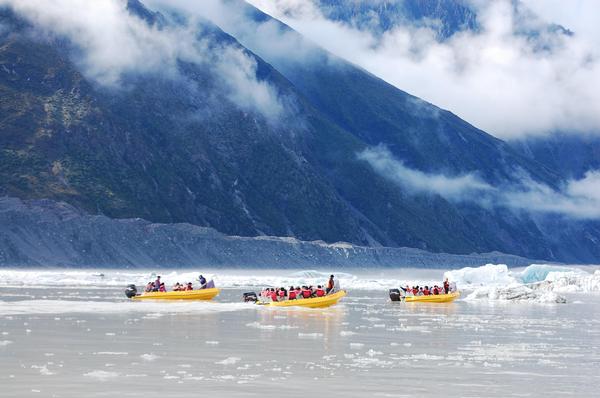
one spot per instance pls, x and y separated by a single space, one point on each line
184 150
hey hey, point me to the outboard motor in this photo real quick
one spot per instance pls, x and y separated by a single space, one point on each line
250 297
131 291
395 295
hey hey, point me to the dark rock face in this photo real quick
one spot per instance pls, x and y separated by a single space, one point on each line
571 155
446 16
50 234
180 151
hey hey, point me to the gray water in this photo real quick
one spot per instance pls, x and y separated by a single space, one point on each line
69 342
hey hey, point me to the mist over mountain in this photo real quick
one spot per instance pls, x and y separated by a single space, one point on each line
218 115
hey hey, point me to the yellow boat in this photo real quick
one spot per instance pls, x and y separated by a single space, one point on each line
433 298
314 302
200 294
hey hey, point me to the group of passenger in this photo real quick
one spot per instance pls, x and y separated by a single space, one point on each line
446 288
298 293
159 286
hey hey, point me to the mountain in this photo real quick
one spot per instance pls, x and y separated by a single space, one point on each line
185 150
446 17
45 233
571 155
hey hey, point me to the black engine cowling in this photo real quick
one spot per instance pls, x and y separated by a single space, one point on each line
395 295
131 291
250 297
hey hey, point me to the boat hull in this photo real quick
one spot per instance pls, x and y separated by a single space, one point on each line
200 294
315 302
437 298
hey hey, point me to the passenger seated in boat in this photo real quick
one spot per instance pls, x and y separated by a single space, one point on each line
273 294
162 287
282 293
189 286
426 291
436 290
420 293
149 287
292 293
319 292
306 292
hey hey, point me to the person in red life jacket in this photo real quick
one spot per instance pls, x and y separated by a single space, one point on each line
189 286
436 291
415 290
292 294
273 294
162 287
426 291
306 293
282 293
330 285
446 286
320 292
156 287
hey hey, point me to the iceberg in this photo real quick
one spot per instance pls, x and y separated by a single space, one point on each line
486 275
539 272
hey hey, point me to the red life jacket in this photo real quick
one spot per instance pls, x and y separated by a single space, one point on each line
292 295
436 291
426 292
273 296
306 293
415 291
320 293
281 293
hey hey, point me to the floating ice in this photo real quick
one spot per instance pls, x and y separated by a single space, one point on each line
26 307
489 274
310 335
257 325
229 361
101 374
149 357
533 293
44 371
539 272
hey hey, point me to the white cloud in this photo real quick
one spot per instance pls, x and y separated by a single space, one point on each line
416 181
114 43
578 199
496 79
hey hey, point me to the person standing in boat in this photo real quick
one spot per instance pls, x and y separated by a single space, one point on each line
330 285
446 286
157 284
202 281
